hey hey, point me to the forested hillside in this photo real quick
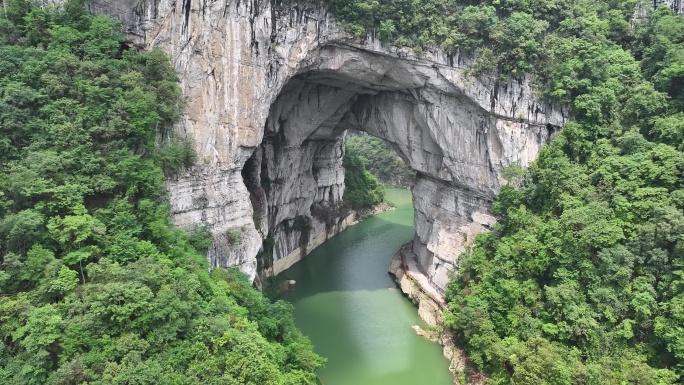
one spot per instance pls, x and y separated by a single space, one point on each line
96 285
380 159
582 279
362 190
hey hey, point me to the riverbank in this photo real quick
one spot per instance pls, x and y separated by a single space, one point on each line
297 254
430 302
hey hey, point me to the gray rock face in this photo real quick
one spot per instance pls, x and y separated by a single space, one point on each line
676 5
271 88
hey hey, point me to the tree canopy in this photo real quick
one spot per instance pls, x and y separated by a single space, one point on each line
96 284
380 159
582 279
362 189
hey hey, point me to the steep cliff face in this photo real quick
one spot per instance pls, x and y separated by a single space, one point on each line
270 89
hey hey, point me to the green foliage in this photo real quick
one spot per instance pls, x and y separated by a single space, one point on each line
302 224
173 156
97 285
581 281
257 217
233 236
550 38
506 36
200 239
362 189
380 159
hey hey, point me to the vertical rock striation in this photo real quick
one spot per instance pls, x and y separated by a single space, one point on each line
271 88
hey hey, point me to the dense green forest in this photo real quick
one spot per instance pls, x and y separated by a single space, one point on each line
582 279
96 285
362 190
580 282
380 160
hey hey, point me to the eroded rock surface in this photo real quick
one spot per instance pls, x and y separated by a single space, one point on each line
270 89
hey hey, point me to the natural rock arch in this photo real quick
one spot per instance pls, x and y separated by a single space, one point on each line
457 146
259 69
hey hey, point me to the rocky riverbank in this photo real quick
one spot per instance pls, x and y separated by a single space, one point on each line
298 253
415 285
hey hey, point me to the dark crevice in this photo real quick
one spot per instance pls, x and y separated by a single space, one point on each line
495 95
274 31
123 47
551 131
254 13
251 176
186 10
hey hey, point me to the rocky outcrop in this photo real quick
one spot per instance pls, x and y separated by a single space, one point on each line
676 5
271 88
430 307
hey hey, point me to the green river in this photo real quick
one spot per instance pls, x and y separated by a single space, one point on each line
347 303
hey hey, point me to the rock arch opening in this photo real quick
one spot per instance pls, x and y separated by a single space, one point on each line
456 142
380 158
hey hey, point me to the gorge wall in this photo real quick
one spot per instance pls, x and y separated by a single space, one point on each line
270 89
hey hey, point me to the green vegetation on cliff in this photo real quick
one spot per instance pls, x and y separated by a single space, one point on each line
362 189
380 160
582 279
509 37
96 284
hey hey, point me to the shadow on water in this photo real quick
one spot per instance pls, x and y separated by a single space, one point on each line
348 304
356 259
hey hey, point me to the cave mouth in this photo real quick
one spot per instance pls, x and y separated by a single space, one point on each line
437 119
440 125
433 113
296 177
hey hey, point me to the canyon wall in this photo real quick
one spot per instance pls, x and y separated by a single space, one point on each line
270 88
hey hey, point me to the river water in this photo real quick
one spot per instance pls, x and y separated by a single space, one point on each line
348 305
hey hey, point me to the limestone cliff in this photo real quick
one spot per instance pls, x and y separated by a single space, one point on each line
271 88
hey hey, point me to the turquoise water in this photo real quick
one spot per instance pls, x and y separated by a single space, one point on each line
348 304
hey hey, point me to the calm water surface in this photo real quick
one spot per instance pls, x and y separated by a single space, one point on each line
346 302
